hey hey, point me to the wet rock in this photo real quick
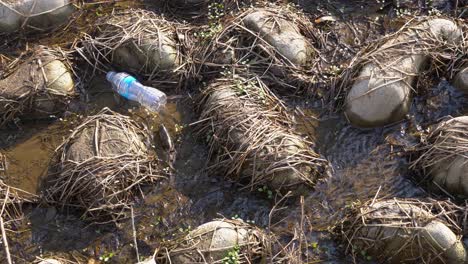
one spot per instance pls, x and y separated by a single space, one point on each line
444 157
34 14
461 80
50 261
400 231
381 94
39 87
137 41
281 34
102 166
158 52
260 151
212 241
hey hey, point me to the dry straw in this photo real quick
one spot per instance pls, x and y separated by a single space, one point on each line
251 139
103 165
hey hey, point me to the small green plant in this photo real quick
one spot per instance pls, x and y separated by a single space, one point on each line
215 12
106 256
266 191
232 256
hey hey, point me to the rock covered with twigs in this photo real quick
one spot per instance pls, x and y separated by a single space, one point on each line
102 165
381 93
461 80
36 15
404 231
444 157
247 125
282 34
218 241
274 42
140 42
39 86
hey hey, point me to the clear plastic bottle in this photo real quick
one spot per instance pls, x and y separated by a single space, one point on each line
128 87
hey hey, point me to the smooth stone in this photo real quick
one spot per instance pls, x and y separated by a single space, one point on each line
42 14
382 95
59 77
161 54
461 80
393 236
441 238
215 234
452 173
281 34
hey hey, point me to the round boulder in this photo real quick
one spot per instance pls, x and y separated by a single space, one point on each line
444 157
381 93
282 34
38 87
213 241
102 166
400 231
34 14
461 80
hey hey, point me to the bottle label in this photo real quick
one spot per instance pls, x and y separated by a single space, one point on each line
127 83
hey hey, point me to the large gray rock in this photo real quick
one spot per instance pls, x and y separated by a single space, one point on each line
461 80
214 239
400 231
283 35
450 170
34 14
381 93
159 53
